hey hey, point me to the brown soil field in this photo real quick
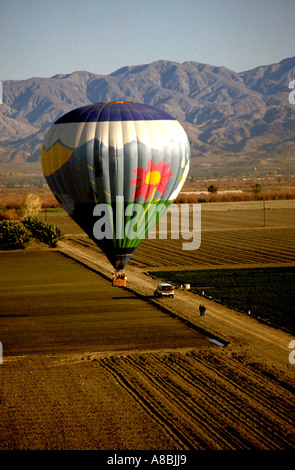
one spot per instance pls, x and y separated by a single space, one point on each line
88 366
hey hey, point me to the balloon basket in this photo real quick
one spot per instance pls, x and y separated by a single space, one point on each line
119 280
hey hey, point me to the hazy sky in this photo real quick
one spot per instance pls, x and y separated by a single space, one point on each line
42 38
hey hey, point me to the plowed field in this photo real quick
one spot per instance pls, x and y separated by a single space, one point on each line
194 396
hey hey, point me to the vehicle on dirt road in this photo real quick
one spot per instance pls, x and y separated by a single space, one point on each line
164 289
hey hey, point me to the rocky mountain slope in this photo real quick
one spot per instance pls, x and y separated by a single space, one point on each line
235 121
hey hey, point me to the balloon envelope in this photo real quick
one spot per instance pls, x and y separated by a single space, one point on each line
115 167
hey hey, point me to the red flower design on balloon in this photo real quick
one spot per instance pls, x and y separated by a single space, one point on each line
151 179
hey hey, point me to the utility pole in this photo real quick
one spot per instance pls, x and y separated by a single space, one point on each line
263 213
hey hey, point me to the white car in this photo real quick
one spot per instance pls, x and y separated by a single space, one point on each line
164 289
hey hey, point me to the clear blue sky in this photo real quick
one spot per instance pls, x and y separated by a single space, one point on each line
42 38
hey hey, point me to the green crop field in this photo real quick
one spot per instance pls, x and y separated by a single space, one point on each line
269 293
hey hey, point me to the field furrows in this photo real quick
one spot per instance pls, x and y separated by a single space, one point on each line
221 248
229 247
213 252
255 384
208 401
165 403
241 390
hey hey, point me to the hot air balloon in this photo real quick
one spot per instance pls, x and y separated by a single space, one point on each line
115 167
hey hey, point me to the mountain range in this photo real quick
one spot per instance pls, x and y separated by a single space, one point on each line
236 122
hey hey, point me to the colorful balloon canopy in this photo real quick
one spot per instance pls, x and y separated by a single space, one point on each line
115 167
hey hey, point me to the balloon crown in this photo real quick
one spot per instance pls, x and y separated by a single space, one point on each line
111 102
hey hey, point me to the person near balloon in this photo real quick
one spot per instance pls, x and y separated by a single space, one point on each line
202 310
